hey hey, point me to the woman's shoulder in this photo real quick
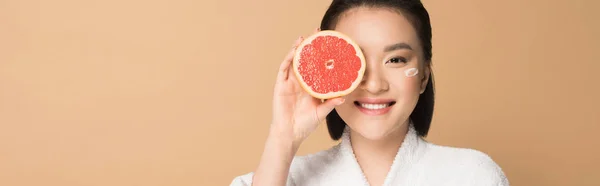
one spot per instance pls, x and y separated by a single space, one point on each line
449 154
463 162
314 168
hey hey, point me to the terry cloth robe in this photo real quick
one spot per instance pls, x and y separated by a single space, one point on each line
417 163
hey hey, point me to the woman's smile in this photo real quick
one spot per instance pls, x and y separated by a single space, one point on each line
374 106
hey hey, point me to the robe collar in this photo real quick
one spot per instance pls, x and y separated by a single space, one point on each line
409 153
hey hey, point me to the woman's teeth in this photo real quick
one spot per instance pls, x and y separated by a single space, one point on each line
374 106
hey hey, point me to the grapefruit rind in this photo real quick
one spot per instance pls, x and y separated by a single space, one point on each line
328 95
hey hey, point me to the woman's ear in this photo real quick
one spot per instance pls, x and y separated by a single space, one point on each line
425 78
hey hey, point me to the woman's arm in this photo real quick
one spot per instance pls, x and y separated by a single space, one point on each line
296 114
275 161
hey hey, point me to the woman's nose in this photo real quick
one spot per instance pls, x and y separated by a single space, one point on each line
374 81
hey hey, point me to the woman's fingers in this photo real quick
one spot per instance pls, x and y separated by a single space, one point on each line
326 107
287 61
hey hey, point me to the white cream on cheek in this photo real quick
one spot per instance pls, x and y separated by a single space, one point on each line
411 72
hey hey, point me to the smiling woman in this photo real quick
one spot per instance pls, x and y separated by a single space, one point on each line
381 123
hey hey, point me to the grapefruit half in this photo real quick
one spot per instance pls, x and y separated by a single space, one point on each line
329 64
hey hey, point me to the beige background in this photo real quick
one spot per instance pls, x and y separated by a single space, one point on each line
132 92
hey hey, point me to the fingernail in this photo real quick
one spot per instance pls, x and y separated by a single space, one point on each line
296 42
341 101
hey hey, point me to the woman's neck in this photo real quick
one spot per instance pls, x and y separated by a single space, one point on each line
375 157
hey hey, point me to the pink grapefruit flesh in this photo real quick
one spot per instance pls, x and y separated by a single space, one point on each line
329 64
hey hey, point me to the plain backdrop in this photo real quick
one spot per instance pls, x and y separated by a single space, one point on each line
178 92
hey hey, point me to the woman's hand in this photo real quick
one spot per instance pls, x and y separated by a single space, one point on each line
296 113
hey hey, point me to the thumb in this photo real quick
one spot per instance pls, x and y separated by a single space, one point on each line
326 107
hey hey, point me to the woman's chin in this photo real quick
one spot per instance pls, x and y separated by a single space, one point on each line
372 132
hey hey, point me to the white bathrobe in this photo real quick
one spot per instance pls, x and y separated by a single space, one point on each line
417 163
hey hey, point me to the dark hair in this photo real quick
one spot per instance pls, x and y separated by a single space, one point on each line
416 13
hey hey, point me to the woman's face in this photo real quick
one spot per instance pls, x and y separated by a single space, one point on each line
390 89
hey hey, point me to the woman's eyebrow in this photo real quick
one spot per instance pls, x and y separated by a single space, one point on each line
397 46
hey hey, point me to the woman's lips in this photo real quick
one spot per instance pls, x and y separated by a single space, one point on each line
374 106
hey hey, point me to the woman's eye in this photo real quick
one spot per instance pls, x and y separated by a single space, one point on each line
397 60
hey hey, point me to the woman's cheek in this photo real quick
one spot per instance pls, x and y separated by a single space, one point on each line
406 83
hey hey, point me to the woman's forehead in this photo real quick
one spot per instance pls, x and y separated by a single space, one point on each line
375 28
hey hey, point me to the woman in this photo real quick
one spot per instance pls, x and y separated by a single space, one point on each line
381 124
